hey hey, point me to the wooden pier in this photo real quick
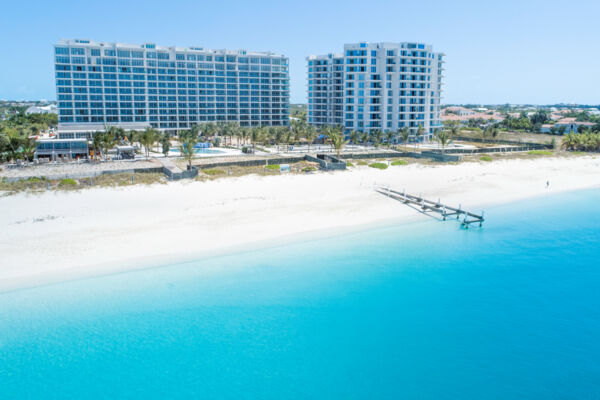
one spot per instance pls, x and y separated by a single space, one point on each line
428 206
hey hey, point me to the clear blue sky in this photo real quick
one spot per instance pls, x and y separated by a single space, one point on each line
527 51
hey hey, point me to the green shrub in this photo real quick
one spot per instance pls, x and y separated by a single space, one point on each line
309 169
349 164
540 153
378 165
36 179
273 167
361 162
213 171
400 162
485 158
67 182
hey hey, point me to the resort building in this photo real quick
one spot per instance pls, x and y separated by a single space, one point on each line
326 89
168 88
386 86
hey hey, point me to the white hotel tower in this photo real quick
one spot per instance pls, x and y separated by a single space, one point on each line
169 88
384 86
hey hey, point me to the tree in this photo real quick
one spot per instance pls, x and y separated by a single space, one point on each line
28 148
244 133
405 135
3 145
376 137
354 136
338 142
188 140
540 117
443 136
165 143
97 143
107 141
255 135
562 129
420 130
14 143
453 127
147 139
389 136
209 129
310 135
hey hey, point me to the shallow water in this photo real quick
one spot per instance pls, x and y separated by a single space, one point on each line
426 310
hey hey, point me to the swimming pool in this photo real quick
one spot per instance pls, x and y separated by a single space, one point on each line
200 151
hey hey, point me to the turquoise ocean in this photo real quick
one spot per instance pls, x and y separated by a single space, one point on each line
415 311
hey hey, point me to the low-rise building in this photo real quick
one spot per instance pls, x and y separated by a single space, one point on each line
566 125
55 149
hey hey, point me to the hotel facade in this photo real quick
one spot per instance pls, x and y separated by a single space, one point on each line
168 88
383 86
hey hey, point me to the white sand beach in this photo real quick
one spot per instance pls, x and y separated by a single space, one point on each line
58 236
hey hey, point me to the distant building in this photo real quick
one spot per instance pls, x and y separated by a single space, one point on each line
50 109
460 111
570 125
383 86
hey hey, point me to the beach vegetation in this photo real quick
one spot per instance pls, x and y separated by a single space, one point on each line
399 162
486 158
378 165
540 153
362 162
214 171
349 164
273 167
67 182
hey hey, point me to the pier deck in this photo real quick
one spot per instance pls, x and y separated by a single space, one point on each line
429 206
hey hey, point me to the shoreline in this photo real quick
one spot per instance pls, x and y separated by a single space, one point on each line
122 230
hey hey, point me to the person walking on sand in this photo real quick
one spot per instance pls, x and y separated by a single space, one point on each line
547 185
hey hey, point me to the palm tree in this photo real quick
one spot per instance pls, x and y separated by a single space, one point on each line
354 136
165 142
188 140
244 133
443 136
420 130
255 135
147 139
310 135
376 136
364 139
389 135
405 135
338 142
108 142
453 127
28 148
96 143
208 129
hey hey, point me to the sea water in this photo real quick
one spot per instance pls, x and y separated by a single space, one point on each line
416 311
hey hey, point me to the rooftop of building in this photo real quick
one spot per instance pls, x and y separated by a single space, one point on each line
152 46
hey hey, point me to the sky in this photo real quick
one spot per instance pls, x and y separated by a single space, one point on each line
519 52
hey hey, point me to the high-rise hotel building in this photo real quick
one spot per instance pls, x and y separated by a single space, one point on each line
169 88
384 86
